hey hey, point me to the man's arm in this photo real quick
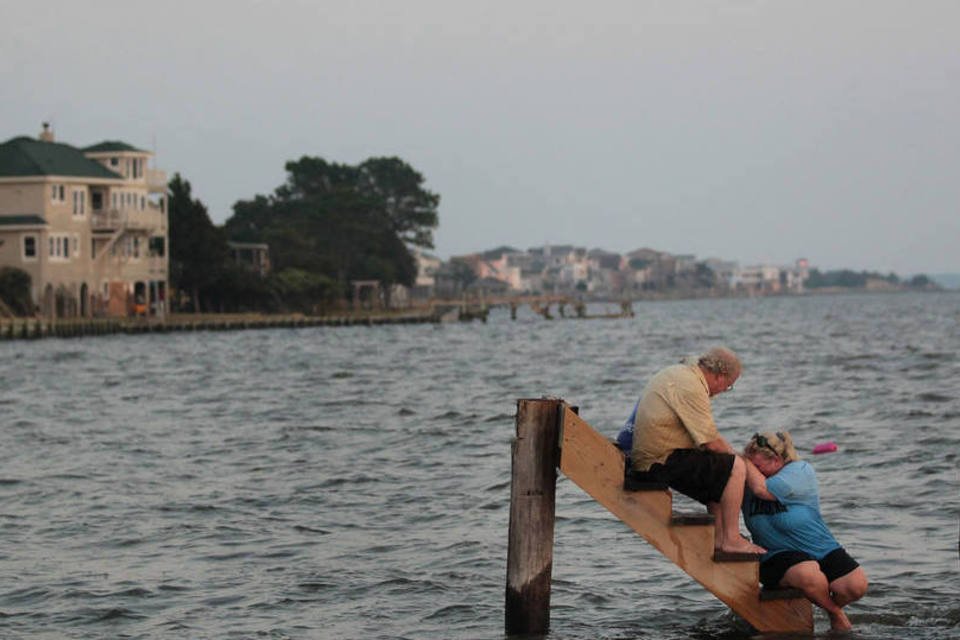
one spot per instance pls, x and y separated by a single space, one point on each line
720 445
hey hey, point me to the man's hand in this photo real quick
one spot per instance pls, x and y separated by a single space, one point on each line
720 445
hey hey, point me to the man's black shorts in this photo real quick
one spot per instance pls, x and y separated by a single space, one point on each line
835 564
697 473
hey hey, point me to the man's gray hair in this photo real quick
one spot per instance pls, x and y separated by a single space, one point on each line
720 360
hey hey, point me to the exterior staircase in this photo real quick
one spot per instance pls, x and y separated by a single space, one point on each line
596 465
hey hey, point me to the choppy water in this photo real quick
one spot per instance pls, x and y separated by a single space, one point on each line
354 482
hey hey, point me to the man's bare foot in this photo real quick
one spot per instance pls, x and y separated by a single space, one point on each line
739 545
839 622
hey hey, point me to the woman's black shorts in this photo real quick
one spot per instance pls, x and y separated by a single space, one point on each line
835 564
697 473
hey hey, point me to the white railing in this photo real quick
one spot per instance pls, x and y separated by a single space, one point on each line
156 179
112 219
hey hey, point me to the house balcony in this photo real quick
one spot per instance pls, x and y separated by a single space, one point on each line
156 180
112 220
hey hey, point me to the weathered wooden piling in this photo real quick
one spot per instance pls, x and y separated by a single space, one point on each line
533 483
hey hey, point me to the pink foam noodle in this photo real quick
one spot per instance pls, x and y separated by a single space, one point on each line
825 447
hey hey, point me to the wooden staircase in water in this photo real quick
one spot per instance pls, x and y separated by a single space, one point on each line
596 465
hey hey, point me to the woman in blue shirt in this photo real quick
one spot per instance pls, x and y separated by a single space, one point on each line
781 508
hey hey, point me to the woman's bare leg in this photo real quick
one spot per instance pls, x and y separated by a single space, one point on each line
807 577
849 588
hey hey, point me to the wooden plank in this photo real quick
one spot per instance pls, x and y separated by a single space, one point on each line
780 594
691 519
596 466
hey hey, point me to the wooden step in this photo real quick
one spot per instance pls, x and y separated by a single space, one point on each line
691 519
597 466
735 556
767 595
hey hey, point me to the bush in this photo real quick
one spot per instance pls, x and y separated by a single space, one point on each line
15 290
302 290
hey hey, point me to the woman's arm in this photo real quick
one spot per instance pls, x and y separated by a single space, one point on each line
757 482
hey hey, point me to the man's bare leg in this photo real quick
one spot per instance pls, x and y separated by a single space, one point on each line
808 577
727 514
714 509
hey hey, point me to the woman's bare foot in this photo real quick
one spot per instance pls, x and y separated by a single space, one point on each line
839 621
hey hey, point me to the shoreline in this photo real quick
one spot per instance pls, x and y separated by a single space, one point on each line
434 312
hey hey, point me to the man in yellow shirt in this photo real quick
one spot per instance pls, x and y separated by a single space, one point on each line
676 441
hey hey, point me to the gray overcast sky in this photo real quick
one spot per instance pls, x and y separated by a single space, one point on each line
754 131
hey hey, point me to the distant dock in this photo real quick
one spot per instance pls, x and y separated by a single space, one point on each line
436 312
35 328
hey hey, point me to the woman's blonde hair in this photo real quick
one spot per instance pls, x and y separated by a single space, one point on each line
773 443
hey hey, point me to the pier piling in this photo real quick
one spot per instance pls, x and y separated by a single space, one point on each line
533 483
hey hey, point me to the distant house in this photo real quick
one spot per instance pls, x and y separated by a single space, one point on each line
766 278
607 260
724 270
762 278
426 282
88 225
254 256
653 269
494 265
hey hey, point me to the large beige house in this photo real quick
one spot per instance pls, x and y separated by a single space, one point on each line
88 225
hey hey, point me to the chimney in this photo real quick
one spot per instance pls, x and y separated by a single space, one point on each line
47 134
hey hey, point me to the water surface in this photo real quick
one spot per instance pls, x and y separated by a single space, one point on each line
354 482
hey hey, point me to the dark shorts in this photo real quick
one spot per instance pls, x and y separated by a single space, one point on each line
835 564
697 473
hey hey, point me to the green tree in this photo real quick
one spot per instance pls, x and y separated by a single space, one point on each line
922 281
398 189
198 249
341 222
302 290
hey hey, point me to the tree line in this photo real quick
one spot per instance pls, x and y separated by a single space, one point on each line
327 225
846 278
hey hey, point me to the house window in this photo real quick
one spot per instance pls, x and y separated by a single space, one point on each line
58 193
30 248
114 161
79 202
156 246
76 245
60 247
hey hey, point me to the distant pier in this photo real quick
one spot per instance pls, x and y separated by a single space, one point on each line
35 328
435 312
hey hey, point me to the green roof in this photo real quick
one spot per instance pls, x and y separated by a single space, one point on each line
111 145
30 157
24 220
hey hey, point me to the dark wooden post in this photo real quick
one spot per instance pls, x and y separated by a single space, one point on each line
533 485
